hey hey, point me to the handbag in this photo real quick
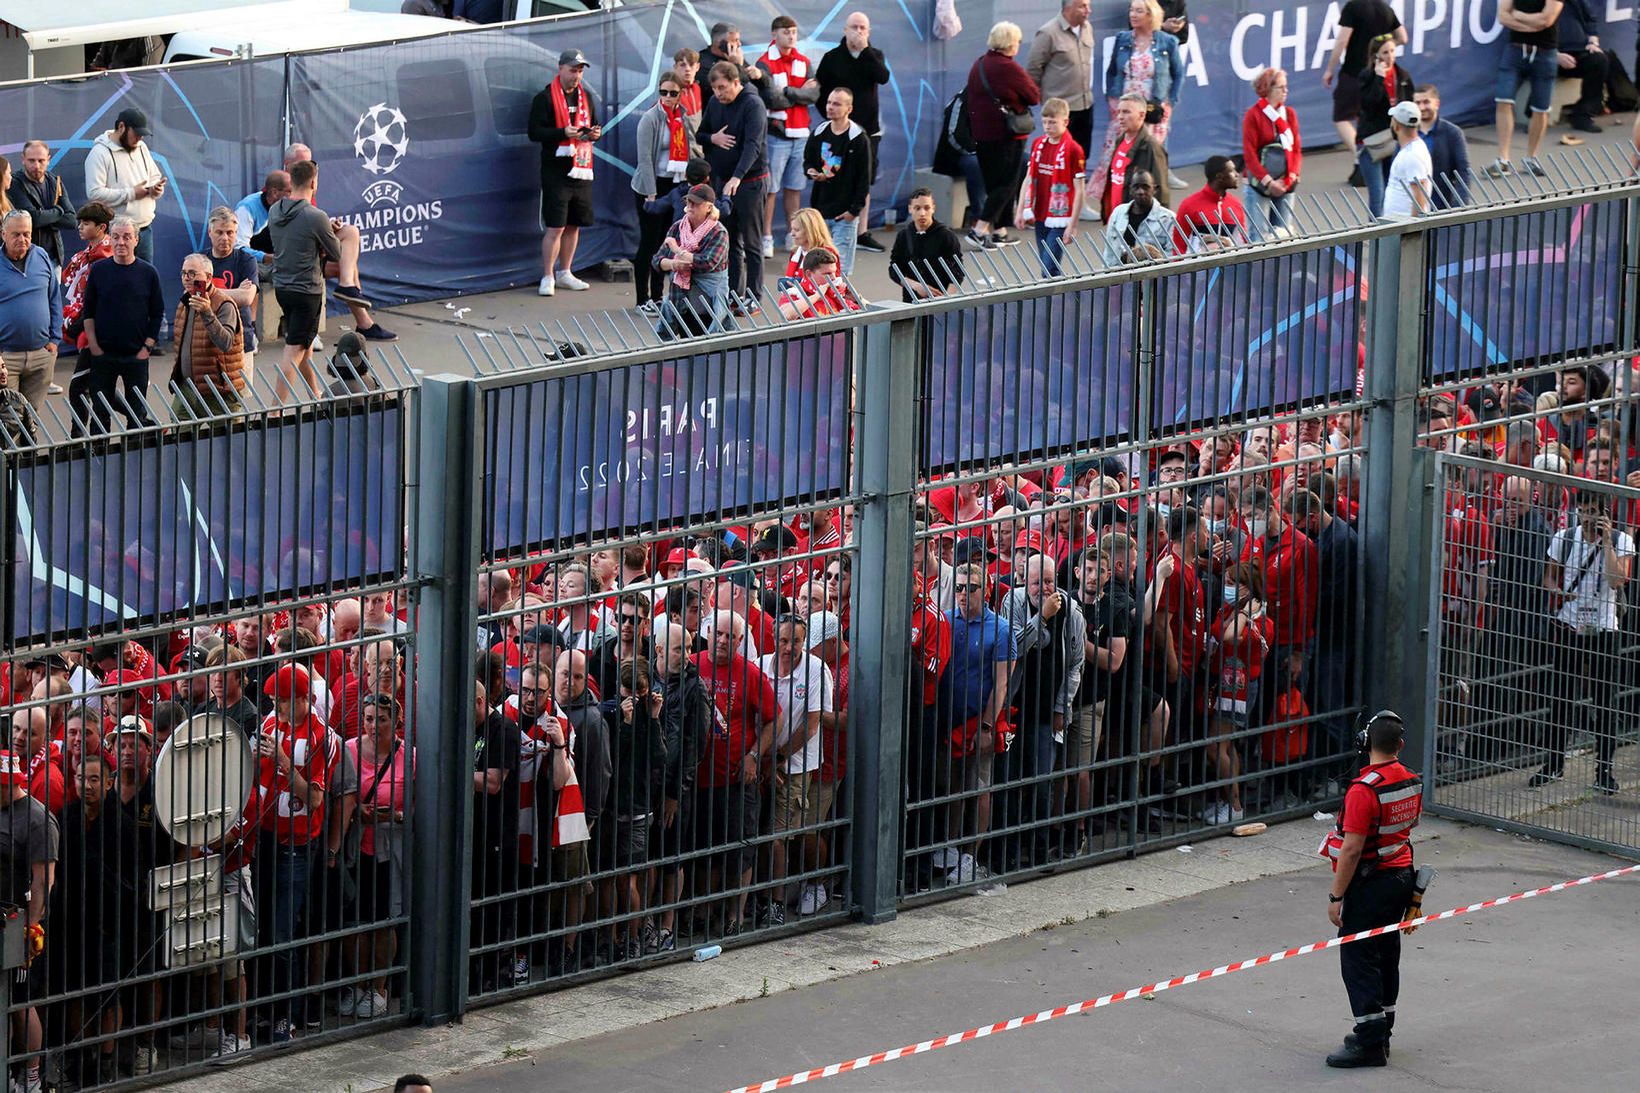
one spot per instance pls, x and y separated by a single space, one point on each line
1273 157
1379 146
1154 113
1020 125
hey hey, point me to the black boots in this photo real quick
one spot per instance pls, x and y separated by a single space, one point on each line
1354 1054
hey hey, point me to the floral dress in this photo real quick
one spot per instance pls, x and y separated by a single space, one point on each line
1140 79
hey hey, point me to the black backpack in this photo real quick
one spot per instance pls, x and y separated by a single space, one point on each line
956 139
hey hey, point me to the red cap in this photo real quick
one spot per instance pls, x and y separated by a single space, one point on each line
290 681
125 675
12 772
1028 540
679 556
943 531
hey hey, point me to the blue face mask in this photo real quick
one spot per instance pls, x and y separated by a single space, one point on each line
1232 593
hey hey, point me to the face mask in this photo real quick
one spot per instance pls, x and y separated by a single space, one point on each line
1231 593
1163 508
1216 526
1255 528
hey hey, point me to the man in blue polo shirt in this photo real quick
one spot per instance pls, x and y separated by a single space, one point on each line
973 692
31 310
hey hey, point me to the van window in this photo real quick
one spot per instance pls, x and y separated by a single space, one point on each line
437 98
513 83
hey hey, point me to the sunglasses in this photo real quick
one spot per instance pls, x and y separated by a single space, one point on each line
965 588
669 94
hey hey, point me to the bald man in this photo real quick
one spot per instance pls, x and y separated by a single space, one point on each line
252 211
859 66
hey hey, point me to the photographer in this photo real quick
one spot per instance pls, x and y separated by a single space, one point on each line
1589 563
210 368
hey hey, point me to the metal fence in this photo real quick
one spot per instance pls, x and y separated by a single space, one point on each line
710 640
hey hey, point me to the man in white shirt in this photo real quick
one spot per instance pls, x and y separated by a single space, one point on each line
803 686
1590 561
1411 172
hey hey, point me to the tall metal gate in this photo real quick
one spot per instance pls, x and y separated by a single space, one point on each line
1533 643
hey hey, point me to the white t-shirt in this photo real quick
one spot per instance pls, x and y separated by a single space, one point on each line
1411 165
1591 601
807 690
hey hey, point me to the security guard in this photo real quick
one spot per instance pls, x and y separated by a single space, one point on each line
1371 851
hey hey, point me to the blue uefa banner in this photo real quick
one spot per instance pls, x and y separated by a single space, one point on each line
1244 339
196 523
217 129
1520 288
1031 376
655 445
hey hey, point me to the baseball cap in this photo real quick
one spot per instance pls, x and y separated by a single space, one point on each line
290 681
194 656
823 626
776 538
131 723
943 531
1028 540
544 635
351 348
134 120
1405 112
1111 467
12 773
54 662
573 57
973 547
679 556
703 194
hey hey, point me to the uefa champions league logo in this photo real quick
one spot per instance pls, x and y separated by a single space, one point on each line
381 138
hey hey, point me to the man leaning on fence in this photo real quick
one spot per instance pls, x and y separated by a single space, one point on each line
210 369
31 310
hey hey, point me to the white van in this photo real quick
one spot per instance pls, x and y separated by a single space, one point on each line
38 39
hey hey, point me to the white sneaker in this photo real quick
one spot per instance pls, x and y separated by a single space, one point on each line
546 287
142 1060
768 246
814 897
1237 815
1090 213
54 389
945 858
371 1004
568 280
1216 813
963 873
349 1002
230 1044
318 345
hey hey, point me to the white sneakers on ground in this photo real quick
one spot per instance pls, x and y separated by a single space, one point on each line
546 287
814 898
568 280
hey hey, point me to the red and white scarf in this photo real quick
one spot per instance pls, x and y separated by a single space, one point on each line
580 150
1284 133
677 143
689 238
792 70
1061 183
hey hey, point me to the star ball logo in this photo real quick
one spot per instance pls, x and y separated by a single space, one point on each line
381 140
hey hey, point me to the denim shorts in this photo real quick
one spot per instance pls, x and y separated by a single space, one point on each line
1540 64
786 163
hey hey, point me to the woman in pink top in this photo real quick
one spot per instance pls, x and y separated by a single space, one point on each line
386 765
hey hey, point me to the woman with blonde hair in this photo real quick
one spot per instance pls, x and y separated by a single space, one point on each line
1145 61
1000 97
809 232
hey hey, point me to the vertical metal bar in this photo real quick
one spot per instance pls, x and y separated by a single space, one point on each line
1395 674
448 514
889 374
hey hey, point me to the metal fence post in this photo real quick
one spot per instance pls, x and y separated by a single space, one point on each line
447 520
887 425
1397 509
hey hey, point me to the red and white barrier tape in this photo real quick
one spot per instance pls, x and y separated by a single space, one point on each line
1152 988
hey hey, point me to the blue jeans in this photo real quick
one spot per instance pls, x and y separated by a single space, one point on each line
1040 761
1264 213
786 164
1376 174
843 233
280 875
145 244
975 180
1050 245
1540 64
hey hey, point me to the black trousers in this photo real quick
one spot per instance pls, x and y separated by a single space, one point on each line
1080 127
649 281
1372 968
1000 163
1591 69
1593 662
745 227
94 392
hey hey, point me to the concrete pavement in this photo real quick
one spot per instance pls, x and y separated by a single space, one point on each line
1531 996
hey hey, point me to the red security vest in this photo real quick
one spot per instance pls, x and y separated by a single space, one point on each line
1400 797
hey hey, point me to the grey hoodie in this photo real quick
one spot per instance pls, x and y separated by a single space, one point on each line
112 174
302 242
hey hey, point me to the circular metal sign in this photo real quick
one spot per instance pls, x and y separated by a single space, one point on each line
202 779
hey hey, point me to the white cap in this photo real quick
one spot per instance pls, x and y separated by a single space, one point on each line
823 626
1405 112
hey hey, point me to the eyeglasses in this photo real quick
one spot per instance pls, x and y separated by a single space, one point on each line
663 93
965 588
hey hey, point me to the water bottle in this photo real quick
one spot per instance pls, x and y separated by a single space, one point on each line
707 952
